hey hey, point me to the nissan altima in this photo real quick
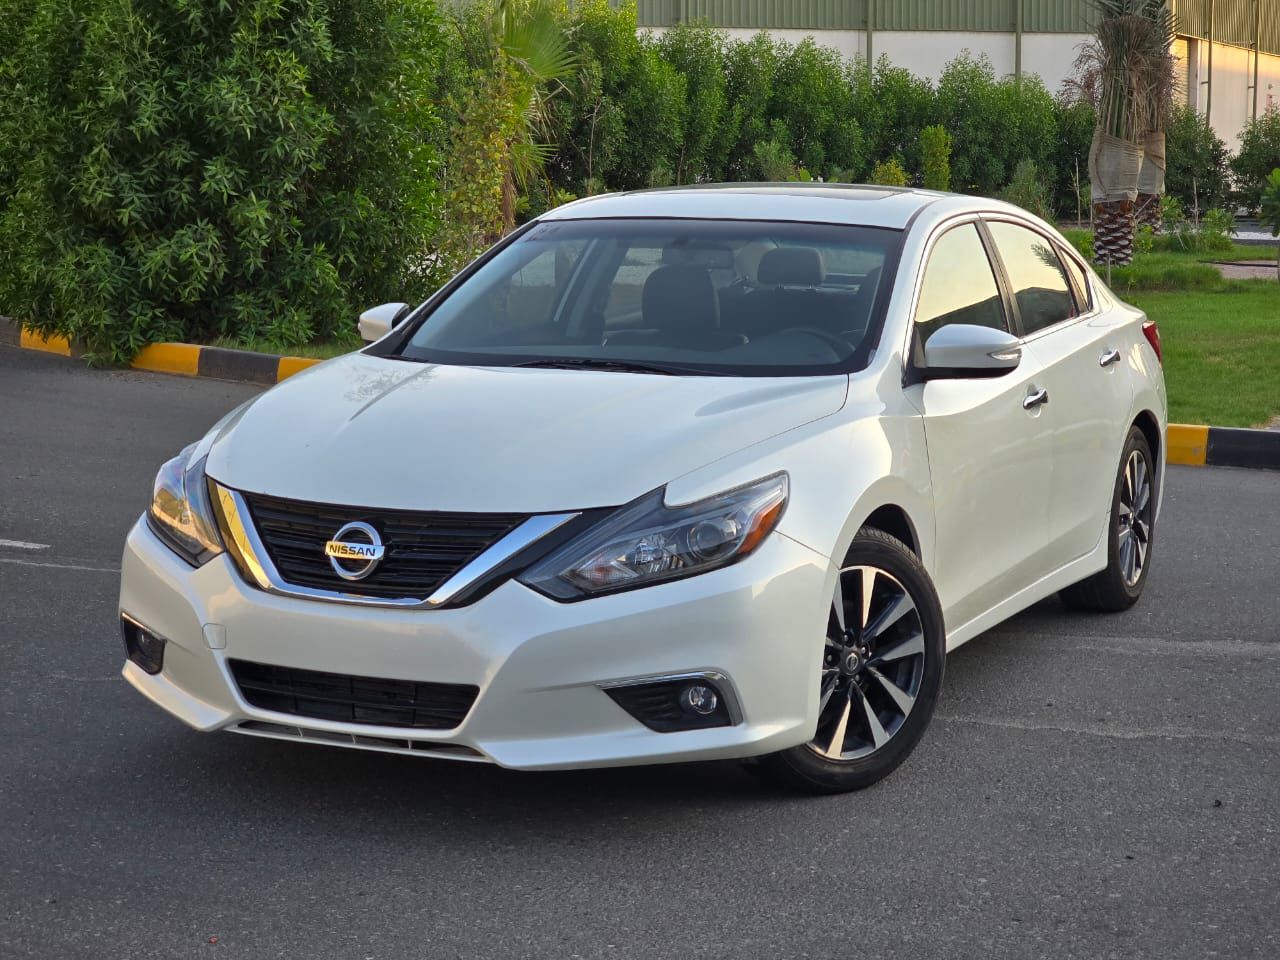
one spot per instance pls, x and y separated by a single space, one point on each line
686 474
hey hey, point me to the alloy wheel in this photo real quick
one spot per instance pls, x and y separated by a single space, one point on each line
872 666
1133 518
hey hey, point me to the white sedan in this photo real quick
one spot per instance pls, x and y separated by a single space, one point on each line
673 475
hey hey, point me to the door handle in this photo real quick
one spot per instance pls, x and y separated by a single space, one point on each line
1108 358
1035 398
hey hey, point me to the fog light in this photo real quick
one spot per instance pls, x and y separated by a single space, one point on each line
143 647
699 699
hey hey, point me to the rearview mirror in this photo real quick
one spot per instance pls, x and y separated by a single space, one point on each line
966 350
376 322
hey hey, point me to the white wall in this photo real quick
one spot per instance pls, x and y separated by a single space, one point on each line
1232 79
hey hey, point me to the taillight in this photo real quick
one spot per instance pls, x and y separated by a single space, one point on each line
1152 333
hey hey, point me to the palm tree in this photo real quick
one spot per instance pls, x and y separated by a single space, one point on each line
519 56
531 60
1115 70
1160 88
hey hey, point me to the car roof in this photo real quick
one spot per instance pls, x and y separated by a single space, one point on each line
853 204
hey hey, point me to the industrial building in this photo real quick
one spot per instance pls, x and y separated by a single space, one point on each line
1229 50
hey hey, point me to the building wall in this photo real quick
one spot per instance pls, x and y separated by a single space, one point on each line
1233 101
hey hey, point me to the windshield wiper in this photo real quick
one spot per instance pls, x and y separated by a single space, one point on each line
602 363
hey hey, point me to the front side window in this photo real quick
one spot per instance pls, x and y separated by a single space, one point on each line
959 285
1036 275
685 296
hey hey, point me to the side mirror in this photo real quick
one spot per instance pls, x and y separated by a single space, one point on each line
961 350
376 322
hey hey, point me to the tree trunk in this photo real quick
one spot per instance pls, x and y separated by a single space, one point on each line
1113 232
1114 165
1151 181
1147 211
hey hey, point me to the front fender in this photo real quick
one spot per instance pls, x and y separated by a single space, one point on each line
842 468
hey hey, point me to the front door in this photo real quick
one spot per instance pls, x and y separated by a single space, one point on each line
990 455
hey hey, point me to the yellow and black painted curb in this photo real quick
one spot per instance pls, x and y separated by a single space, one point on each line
1223 446
1187 444
183 359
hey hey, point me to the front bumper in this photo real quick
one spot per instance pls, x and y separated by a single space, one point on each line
539 664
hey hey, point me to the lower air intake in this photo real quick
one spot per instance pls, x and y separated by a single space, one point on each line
351 699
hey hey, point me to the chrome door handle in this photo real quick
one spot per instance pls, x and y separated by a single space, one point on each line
1108 358
1035 398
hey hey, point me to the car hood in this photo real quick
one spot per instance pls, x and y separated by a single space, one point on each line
371 431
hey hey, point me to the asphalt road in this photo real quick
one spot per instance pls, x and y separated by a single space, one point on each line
1092 786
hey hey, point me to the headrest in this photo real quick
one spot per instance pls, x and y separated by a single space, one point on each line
791 266
680 298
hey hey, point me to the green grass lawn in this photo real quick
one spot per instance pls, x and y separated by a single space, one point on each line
1221 351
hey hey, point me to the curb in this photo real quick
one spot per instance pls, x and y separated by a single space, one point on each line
1186 444
183 359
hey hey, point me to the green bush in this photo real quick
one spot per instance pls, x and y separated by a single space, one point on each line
935 158
994 124
889 173
1196 162
1259 154
194 170
620 123
696 53
813 101
1028 190
1069 162
892 106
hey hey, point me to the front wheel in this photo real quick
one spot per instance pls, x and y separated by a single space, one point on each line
880 675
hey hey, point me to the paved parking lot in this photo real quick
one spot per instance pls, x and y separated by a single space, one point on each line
1092 787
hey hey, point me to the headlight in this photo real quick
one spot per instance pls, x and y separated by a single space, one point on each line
180 513
648 542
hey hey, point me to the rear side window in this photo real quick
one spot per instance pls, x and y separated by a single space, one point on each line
959 285
1036 276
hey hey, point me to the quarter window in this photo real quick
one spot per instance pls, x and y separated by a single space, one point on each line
958 285
1036 276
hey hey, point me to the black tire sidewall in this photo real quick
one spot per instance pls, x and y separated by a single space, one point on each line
1135 441
803 768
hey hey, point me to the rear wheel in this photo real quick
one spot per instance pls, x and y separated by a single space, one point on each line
1129 535
880 675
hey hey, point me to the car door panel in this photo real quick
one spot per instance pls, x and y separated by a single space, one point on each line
1079 351
1091 400
989 455
991 461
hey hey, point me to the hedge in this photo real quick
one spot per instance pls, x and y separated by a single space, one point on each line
261 170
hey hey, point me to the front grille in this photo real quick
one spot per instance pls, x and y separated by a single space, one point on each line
423 549
348 699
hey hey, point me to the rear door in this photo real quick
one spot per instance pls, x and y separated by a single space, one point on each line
1080 351
989 456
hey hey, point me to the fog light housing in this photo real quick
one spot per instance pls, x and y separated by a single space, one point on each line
673 704
142 646
700 699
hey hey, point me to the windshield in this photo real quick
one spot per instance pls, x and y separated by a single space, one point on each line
670 296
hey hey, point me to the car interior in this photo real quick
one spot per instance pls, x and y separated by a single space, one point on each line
752 299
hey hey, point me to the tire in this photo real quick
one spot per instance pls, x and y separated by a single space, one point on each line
881 671
1130 529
